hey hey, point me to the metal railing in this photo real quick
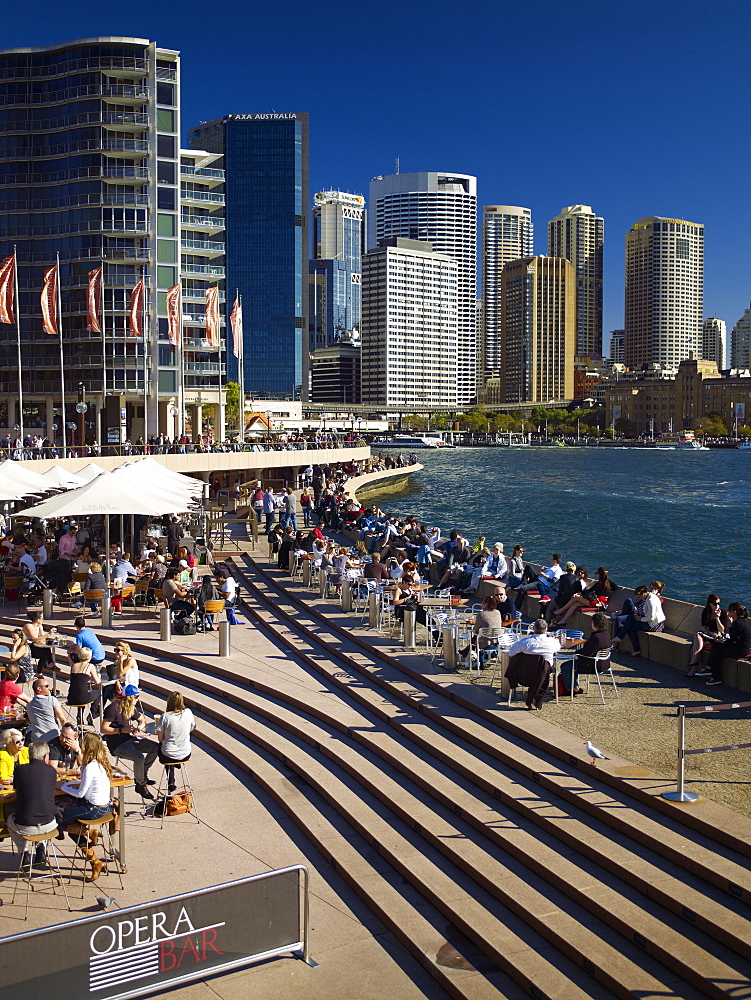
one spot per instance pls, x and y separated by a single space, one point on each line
680 794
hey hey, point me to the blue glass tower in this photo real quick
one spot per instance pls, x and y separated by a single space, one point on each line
266 167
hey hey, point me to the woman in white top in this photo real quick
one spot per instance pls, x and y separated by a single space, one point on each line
173 733
93 788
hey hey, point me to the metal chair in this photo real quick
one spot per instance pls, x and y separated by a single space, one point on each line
602 656
186 789
109 855
53 865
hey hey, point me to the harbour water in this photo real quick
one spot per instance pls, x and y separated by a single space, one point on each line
679 517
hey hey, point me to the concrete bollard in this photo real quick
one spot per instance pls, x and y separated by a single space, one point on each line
291 563
410 621
307 568
449 648
225 642
165 624
106 612
321 582
346 596
374 610
48 600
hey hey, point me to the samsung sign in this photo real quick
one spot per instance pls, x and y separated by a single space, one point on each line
255 118
140 949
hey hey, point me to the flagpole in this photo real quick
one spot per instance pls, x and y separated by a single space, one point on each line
181 373
18 338
103 414
145 368
241 369
62 360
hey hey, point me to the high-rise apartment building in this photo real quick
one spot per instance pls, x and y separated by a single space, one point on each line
714 342
578 235
740 342
336 268
266 166
616 347
664 291
90 170
439 208
409 325
538 319
507 234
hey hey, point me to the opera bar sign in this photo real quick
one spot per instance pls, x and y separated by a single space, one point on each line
143 949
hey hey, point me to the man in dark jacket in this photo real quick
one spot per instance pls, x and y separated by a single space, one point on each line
35 809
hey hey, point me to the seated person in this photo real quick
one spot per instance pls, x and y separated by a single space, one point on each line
11 693
93 789
571 583
598 640
175 594
45 714
538 644
122 727
651 619
228 590
714 624
738 643
13 752
208 592
594 596
35 810
488 617
545 582
96 581
66 755
20 656
406 595
173 733
375 570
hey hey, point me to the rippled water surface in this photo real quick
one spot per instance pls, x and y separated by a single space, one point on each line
679 517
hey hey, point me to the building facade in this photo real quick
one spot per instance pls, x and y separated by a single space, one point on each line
410 328
335 374
266 167
90 170
439 208
538 319
616 347
577 234
507 234
664 291
714 342
740 342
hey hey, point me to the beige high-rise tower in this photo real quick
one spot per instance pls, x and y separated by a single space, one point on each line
538 319
664 291
578 235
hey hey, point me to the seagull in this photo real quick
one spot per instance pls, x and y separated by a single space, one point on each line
594 753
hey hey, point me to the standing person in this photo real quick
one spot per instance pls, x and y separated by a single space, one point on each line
256 502
93 789
290 509
67 546
738 642
173 733
174 534
35 811
306 503
122 727
269 507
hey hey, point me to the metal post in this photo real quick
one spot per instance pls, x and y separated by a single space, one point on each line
374 609
48 599
321 582
271 551
680 794
346 596
291 562
307 566
225 642
410 620
449 647
54 680
165 624
106 612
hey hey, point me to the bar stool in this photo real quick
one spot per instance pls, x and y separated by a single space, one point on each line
187 789
108 852
53 864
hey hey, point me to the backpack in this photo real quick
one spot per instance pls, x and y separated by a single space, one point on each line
184 626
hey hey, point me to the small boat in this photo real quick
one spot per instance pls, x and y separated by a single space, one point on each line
406 442
679 441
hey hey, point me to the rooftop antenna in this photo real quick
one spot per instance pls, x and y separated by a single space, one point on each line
396 164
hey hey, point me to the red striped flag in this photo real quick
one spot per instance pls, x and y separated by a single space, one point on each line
93 300
49 301
135 323
173 314
212 317
7 289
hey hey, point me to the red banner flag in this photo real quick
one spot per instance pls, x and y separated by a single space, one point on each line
93 300
49 301
173 314
7 288
135 324
212 317
236 321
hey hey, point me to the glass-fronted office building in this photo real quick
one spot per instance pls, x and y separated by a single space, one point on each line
266 165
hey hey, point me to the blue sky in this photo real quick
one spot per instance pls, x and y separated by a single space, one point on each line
638 109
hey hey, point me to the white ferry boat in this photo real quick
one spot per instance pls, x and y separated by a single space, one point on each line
407 443
680 441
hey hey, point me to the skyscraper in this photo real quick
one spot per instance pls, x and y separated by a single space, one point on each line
538 319
578 235
507 234
409 325
664 291
616 347
89 169
740 342
714 342
266 165
335 271
439 208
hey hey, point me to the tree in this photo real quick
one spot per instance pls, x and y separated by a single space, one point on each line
711 426
232 405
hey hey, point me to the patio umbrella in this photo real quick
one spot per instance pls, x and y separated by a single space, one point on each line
16 475
60 478
165 475
89 472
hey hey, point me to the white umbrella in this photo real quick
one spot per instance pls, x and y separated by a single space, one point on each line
168 476
58 477
90 471
143 483
23 479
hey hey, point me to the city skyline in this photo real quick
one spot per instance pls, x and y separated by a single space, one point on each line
639 157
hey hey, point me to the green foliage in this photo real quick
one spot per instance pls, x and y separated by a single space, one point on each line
232 404
711 425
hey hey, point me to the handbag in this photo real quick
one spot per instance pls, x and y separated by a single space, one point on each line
179 804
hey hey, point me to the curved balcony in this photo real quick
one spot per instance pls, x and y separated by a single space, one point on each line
206 248
137 174
112 64
204 270
108 92
210 222
201 197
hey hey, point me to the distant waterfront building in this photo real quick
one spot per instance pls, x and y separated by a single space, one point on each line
579 235
266 163
616 346
409 325
507 234
439 208
538 319
714 342
335 374
740 341
664 291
